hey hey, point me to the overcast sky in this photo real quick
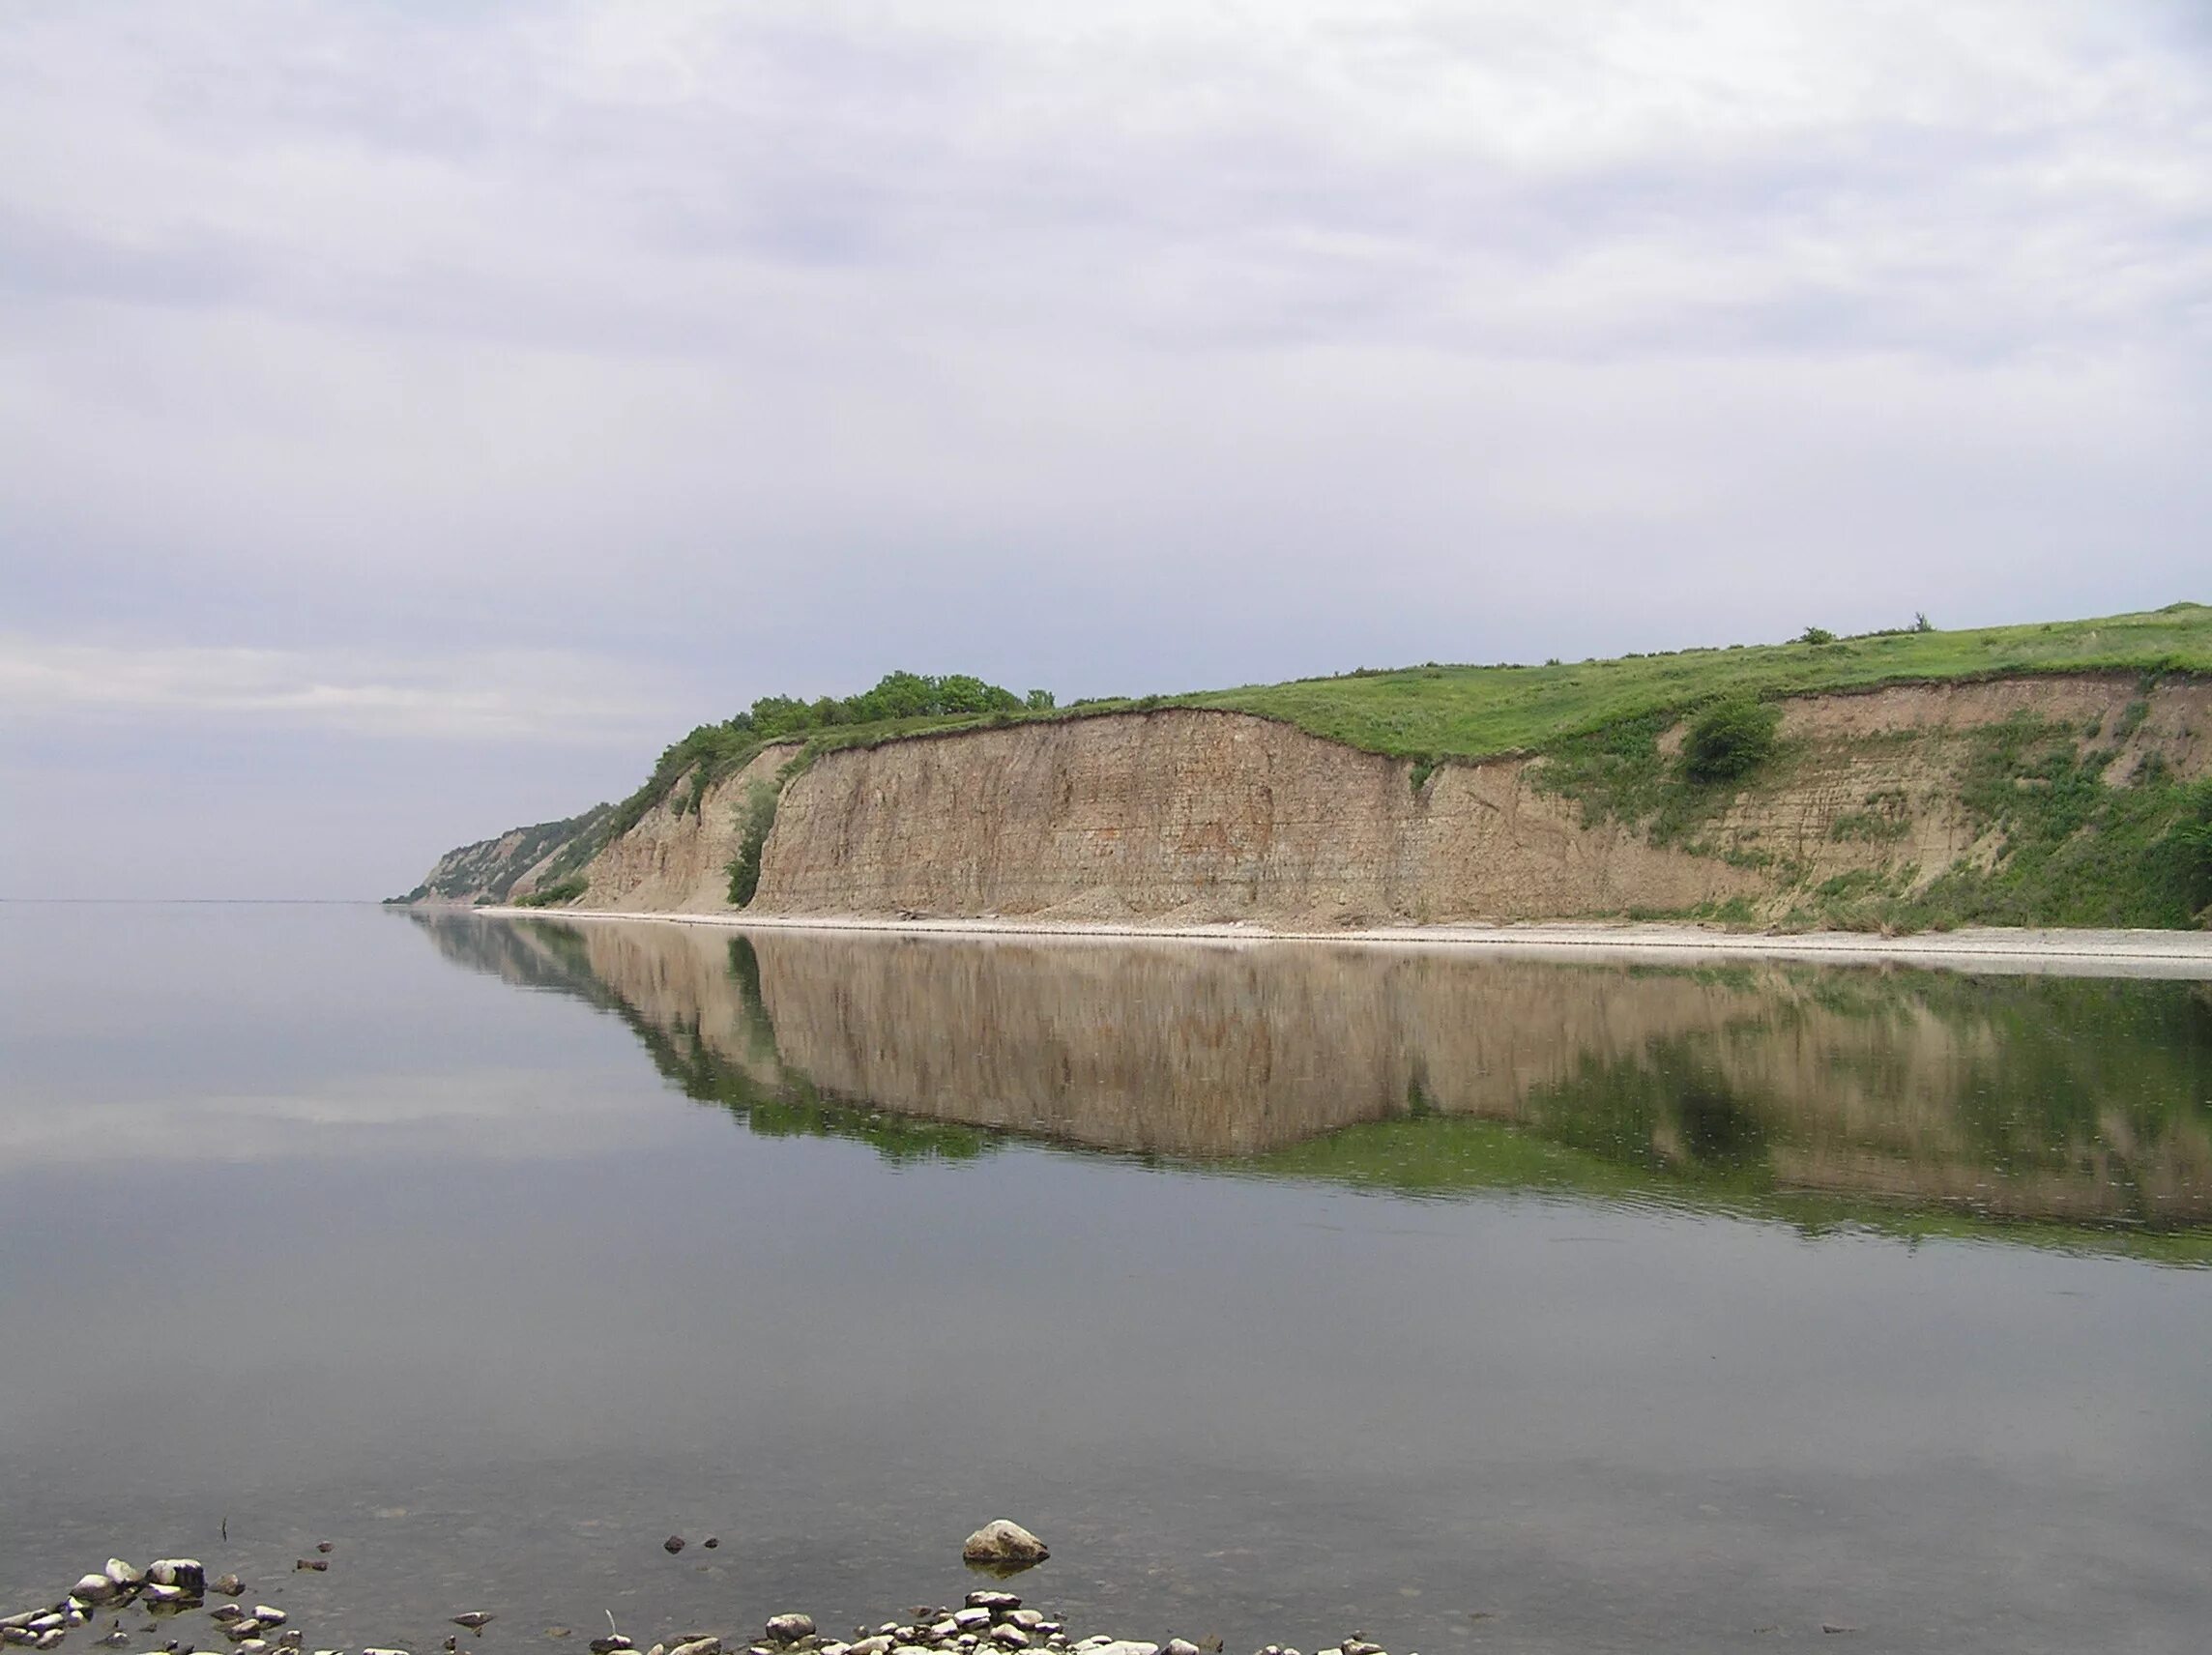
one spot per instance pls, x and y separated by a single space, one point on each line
413 415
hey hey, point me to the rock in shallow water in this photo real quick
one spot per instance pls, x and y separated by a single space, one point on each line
184 1573
789 1628
1001 1544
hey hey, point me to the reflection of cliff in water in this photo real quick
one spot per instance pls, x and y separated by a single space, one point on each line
2032 1098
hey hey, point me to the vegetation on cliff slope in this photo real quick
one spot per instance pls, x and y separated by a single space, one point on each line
901 703
487 870
1479 711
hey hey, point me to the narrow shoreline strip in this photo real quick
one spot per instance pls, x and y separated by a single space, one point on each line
2185 954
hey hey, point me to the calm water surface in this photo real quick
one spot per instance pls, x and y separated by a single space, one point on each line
1479 1304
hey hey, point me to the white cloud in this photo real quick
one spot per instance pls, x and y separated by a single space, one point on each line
509 695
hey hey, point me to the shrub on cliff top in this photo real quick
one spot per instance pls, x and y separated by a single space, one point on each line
1730 740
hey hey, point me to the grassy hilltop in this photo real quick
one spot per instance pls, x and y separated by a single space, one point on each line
1436 713
1480 712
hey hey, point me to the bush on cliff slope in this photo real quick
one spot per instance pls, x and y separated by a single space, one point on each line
752 837
1729 740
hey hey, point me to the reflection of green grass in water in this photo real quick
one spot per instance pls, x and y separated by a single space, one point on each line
1458 1155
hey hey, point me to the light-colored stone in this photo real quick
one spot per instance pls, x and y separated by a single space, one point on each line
186 1573
699 1646
1003 1541
789 1628
971 1618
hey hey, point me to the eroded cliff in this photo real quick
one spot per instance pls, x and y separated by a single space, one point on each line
1193 815
1872 800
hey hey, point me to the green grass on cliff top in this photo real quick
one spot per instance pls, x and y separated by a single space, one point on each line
1475 711
1433 712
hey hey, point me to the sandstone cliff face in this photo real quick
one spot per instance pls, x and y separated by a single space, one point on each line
677 859
1195 815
